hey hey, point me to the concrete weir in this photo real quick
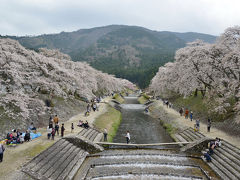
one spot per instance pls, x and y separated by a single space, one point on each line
82 156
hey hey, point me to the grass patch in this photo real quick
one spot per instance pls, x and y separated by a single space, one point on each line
35 150
143 98
193 103
118 98
109 120
169 128
202 107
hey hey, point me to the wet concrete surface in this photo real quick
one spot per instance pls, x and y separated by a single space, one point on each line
143 128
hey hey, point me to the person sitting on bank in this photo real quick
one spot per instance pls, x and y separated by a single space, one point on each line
27 136
218 142
85 125
207 156
80 123
32 128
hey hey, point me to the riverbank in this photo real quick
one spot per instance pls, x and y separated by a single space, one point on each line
110 120
16 157
177 122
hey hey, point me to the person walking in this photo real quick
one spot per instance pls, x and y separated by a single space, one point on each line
181 111
186 114
50 120
2 149
191 115
53 133
57 129
105 134
198 124
72 128
209 123
49 131
128 137
62 130
55 119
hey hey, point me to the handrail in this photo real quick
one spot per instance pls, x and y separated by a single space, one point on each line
155 144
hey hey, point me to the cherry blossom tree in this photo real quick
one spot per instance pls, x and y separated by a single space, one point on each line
211 68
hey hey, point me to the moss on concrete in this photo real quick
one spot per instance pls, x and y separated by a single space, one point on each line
118 98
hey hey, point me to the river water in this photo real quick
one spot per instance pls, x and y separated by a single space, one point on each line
143 128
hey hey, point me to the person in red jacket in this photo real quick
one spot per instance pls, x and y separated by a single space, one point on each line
186 113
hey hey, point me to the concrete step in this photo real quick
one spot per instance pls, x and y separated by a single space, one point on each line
63 162
185 137
194 134
52 154
98 138
89 133
217 170
42 155
223 169
199 134
232 147
228 156
180 138
230 151
145 177
77 165
82 132
187 134
225 163
93 136
81 129
71 164
137 168
50 164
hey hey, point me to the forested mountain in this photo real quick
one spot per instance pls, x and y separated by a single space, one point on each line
130 52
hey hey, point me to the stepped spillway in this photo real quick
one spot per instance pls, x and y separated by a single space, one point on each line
135 164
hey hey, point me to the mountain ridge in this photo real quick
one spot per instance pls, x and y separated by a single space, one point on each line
130 52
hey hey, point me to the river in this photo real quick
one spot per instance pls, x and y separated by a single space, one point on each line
143 128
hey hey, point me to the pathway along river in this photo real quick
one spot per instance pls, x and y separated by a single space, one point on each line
143 128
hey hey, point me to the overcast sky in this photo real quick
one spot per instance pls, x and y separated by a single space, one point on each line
34 17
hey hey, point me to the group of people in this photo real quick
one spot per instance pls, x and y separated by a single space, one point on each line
53 127
18 137
187 115
211 146
93 106
167 103
82 124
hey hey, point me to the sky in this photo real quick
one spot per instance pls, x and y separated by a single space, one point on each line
35 17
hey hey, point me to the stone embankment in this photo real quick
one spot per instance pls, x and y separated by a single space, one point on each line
63 159
226 158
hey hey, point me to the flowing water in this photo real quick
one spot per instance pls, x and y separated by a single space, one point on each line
143 128
141 163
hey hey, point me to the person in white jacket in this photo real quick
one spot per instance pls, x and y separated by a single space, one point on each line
128 137
49 131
